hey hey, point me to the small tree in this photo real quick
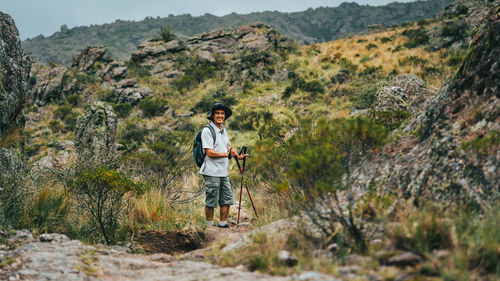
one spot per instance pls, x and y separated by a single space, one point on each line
100 191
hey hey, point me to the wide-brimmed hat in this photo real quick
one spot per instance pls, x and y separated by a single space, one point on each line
219 105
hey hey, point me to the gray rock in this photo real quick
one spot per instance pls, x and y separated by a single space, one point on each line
205 56
53 237
23 235
14 73
87 61
313 276
96 131
287 258
48 85
404 259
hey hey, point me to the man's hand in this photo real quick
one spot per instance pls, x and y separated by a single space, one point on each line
242 156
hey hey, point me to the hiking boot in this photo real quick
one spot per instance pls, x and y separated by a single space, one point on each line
224 226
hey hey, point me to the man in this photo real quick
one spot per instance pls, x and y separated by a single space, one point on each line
214 169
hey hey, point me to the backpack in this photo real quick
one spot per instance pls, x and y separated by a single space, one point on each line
198 151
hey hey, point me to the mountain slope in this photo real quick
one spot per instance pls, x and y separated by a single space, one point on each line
313 25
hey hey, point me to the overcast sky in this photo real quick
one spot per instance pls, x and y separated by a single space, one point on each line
34 17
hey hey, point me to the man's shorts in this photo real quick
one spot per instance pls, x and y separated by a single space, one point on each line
218 190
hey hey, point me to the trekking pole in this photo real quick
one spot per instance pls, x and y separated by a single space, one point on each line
248 191
242 172
241 190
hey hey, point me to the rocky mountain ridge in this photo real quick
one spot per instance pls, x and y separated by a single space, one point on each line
313 25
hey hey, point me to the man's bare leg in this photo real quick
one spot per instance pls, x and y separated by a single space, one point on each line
209 214
224 212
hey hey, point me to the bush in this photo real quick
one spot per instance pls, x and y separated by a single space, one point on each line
371 46
152 106
287 164
100 190
62 112
219 95
133 134
74 99
421 231
413 60
167 34
250 120
416 37
390 119
385 40
122 110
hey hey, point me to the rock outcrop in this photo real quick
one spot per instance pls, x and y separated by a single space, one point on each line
246 52
55 257
451 151
14 71
47 83
95 134
93 64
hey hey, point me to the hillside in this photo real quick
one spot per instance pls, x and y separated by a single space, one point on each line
374 156
313 25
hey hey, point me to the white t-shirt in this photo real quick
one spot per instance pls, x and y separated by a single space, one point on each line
215 167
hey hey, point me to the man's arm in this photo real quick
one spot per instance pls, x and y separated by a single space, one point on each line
214 154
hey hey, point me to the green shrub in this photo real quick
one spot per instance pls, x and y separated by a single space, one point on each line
483 143
371 46
258 262
122 110
335 146
74 100
196 71
413 60
152 106
385 39
66 114
397 49
370 70
99 190
390 119
456 29
365 97
132 133
167 34
416 37
219 95
247 120
62 112
365 59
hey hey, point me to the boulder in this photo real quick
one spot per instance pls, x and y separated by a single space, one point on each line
96 131
91 59
48 83
288 259
128 92
14 74
405 93
53 237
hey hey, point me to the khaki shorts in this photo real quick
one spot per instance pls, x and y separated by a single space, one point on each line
218 190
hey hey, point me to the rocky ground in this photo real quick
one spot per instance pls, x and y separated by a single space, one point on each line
56 257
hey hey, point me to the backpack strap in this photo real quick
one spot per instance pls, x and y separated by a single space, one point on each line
212 131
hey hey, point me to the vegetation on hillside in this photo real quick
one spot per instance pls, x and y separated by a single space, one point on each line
307 124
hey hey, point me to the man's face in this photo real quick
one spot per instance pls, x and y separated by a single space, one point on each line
219 116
